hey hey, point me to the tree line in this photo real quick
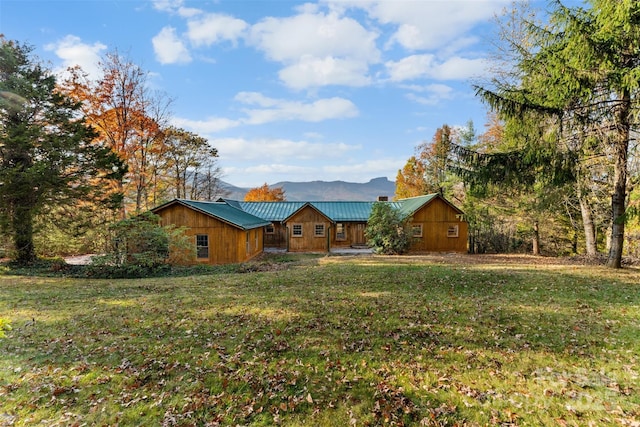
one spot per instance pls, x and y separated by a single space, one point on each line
556 168
79 153
560 150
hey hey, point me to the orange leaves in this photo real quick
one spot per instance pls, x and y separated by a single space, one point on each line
265 194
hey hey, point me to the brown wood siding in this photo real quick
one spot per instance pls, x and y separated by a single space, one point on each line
278 239
354 233
308 217
227 244
436 218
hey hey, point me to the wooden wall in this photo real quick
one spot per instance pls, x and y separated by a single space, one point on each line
354 233
277 239
227 244
436 218
308 217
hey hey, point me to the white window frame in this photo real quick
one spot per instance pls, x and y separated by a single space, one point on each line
294 227
453 231
319 230
202 247
341 235
416 230
269 229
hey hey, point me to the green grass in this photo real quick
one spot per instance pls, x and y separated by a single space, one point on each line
326 341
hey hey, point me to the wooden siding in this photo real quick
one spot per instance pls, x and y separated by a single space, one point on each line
354 235
277 239
436 218
308 217
227 244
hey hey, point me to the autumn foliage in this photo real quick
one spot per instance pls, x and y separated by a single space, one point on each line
265 194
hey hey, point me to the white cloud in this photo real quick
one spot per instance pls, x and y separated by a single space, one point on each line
213 28
310 71
272 110
425 66
176 7
282 110
409 68
168 48
432 94
278 149
317 49
72 51
209 125
431 24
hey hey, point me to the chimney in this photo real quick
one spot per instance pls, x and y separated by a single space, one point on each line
383 198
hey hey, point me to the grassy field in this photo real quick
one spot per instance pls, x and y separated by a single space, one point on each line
327 341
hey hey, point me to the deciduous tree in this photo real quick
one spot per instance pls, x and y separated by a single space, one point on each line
265 194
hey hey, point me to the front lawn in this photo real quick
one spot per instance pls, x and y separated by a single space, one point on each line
333 341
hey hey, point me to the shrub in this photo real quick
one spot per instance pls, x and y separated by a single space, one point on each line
139 247
386 232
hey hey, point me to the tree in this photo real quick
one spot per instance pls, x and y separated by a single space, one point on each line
127 117
265 194
577 76
386 230
186 155
410 179
47 154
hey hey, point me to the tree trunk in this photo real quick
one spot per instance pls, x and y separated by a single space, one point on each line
536 238
589 227
618 198
23 234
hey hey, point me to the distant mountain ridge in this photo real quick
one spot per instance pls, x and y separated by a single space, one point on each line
321 191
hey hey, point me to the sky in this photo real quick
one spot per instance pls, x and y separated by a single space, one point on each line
286 90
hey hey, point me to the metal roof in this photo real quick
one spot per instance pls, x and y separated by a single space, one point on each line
272 211
248 215
222 211
338 211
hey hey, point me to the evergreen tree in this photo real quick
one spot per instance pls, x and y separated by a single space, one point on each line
46 153
576 77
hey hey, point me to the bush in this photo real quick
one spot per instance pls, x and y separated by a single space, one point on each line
386 232
139 247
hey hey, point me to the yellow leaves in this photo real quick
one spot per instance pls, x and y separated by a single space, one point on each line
265 194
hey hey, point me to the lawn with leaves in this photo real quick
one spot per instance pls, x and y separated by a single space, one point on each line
333 341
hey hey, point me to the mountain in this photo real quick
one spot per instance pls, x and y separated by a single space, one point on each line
319 191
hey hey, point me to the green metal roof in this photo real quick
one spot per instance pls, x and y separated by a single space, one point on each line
222 211
345 211
272 211
411 205
336 211
248 215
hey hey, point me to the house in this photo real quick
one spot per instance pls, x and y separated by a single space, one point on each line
235 231
436 224
222 233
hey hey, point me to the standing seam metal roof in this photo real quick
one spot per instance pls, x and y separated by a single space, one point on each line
223 211
336 211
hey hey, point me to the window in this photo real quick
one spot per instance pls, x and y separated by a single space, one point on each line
319 230
416 230
452 231
341 231
270 229
202 245
296 230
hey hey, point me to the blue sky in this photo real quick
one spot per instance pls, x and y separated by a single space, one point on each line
286 90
